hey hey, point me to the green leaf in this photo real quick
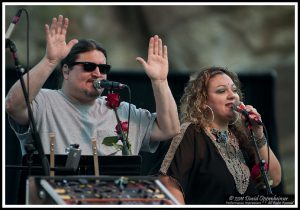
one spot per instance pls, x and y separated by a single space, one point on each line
110 141
117 146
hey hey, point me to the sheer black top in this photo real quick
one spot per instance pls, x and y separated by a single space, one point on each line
200 170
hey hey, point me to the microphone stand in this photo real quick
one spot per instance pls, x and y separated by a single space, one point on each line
125 148
261 161
31 147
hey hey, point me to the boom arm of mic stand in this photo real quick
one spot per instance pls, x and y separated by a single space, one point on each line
35 135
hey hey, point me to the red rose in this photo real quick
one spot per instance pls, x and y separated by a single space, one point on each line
124 126
113 100
255 172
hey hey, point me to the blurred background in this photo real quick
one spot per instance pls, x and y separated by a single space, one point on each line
247 39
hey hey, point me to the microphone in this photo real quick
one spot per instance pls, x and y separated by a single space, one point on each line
241 108
12 25
98 84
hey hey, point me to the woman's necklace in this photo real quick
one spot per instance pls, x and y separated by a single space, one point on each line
228 148
221 136
223 142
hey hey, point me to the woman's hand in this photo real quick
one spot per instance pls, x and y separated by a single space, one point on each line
254 117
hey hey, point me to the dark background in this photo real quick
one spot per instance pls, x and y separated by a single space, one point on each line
259 91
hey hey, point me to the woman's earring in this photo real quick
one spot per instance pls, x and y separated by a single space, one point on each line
212 112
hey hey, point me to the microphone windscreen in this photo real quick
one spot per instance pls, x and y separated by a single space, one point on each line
97 83
236 105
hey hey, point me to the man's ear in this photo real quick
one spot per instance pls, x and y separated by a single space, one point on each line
65 71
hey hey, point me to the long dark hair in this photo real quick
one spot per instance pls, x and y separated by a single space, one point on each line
82 46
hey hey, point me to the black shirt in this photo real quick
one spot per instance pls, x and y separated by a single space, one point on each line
202 172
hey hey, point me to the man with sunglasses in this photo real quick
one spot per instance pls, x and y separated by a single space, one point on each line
76 113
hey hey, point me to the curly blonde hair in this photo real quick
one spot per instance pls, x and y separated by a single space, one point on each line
193 103
194 100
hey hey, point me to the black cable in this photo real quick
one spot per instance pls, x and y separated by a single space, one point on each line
268 145
129 95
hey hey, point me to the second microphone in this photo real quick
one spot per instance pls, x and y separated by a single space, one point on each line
98 84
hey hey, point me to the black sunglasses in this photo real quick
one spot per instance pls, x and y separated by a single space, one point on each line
89 67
